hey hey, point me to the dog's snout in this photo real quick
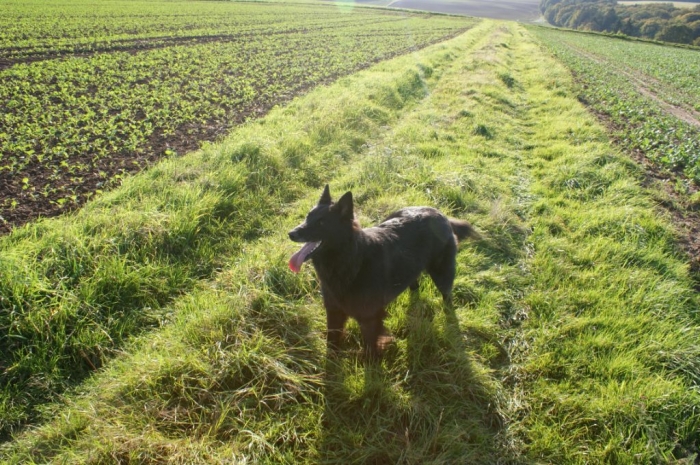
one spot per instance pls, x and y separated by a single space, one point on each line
294 234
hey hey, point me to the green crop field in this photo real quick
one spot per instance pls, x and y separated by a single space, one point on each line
649 92
93 92
159 323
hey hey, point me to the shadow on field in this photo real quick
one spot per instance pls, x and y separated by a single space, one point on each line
428 401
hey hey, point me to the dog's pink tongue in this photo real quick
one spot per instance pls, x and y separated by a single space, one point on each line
298 258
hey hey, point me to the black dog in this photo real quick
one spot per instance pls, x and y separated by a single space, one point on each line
363 270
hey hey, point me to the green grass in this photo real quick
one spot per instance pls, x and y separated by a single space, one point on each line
573 334
73 290
610 374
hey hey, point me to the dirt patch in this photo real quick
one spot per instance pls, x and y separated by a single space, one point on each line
685 215
689 116
515 10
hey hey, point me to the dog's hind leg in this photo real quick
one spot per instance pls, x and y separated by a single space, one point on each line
442 271
372 330
414 285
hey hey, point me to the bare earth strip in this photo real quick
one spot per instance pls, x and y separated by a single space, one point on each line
525 10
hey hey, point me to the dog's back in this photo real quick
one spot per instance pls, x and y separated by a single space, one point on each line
381 262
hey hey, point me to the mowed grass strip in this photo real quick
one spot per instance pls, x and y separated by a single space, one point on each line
72 290
571 339
609 369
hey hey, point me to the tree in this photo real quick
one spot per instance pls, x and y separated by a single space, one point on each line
547 4
587 17
564 14
661 21
695 27
690 17
651 27
552 13
610 21
629 28
678 33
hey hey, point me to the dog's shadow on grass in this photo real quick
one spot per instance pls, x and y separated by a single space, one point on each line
430 399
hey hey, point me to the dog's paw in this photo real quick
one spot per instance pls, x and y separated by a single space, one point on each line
384 342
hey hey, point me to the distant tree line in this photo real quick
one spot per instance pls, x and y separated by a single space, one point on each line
658 21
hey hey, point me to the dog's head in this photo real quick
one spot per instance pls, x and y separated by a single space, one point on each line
327 223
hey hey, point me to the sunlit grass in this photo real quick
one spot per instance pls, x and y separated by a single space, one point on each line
573 333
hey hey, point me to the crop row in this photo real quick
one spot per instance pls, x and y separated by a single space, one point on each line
72 127
41 23
671 71
642 123
48 49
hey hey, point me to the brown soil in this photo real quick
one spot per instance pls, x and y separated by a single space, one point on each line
685 215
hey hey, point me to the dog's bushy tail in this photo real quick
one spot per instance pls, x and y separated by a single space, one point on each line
463 230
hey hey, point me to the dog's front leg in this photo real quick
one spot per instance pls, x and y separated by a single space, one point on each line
335 321
372 330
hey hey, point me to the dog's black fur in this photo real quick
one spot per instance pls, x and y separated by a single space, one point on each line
363 270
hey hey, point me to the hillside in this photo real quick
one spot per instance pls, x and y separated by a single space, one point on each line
513 10
573 338
660 21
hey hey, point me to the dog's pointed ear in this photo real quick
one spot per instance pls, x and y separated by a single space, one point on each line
325 197
344 205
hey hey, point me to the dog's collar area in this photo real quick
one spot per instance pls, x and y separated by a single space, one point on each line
302 255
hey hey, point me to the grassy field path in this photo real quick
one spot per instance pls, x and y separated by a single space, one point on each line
573 334
610 374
